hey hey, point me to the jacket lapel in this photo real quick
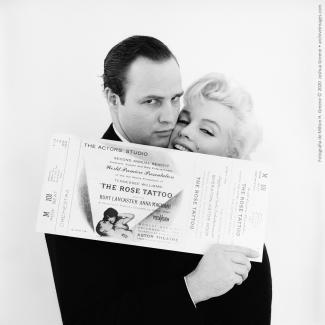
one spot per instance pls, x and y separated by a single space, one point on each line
110 134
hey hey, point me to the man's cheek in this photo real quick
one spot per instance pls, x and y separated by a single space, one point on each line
175 132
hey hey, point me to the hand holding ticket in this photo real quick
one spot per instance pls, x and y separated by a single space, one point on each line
147 196
221 267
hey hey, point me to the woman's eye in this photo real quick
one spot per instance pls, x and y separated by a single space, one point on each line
207 132
176 99
180 121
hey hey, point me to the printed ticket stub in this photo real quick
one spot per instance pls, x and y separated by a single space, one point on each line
154 197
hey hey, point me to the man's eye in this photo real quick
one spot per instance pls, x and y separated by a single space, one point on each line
176 99
207 132
151 101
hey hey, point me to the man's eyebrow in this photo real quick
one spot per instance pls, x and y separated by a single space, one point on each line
160 97
152 97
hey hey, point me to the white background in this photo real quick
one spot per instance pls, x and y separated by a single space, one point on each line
51 59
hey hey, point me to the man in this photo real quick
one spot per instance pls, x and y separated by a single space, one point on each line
94 285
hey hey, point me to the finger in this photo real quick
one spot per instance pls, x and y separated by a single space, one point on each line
240 259
241 270
237 279
239 249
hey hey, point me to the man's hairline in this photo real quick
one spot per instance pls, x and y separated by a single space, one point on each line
162 60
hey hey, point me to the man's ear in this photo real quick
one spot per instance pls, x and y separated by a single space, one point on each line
113 100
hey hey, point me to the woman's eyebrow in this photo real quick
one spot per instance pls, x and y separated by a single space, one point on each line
213 122
179 94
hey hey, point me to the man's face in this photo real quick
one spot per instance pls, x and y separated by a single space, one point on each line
152 102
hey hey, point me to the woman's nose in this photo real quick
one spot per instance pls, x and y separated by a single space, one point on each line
186 132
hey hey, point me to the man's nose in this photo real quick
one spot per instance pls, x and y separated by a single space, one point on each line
168 114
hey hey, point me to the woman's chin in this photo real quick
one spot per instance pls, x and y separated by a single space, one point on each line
170 146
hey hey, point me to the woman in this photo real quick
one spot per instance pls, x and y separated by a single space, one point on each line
218 119
114 222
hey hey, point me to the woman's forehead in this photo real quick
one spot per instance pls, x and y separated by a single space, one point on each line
210 111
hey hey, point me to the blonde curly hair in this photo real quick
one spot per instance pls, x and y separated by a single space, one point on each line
245 136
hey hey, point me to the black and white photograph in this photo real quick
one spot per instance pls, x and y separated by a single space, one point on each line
223 83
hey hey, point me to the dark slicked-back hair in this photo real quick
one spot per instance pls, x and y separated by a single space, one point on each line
110 213
122 55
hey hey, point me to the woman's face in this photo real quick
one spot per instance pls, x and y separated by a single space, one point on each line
111 219
203 127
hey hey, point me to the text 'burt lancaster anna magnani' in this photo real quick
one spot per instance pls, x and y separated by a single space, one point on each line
135 190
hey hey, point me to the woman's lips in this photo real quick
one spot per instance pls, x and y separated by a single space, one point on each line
181 147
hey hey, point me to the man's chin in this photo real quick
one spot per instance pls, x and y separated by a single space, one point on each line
160 142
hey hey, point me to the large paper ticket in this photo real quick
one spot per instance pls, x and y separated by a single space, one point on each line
154 197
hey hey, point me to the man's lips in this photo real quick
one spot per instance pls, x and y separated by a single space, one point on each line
164 133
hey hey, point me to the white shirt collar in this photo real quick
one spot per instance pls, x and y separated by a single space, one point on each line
119 135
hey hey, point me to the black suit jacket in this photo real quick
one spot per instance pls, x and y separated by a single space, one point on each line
107 283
